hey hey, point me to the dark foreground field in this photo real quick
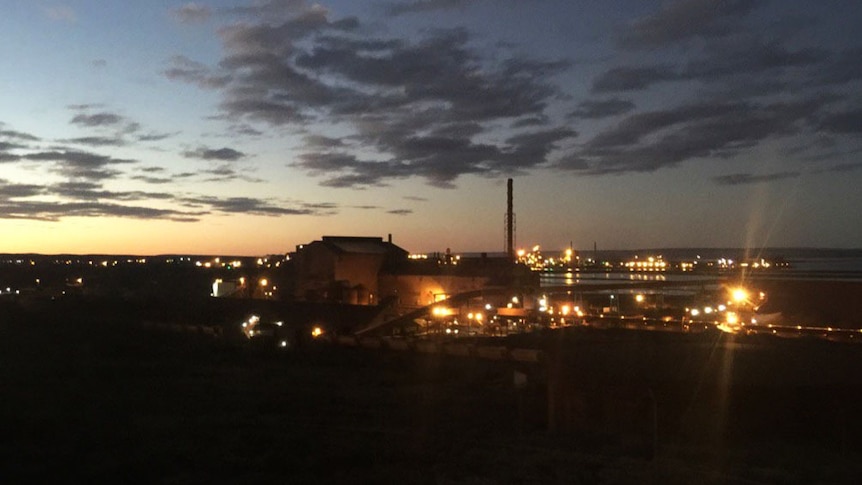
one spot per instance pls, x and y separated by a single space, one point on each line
85 401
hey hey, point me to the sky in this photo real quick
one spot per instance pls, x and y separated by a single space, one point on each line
247 127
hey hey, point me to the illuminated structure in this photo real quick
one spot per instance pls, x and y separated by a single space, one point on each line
344 269
415 288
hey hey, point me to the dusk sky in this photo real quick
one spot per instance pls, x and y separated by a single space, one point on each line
247 127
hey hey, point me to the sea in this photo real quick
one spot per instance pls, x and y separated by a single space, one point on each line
803 264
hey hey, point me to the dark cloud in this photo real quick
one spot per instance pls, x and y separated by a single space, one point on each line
419 6
602 108
6 146
636 126
79 164
94 191
747 178
373 177
652 140
322 142
55 211
363 173
191 13
221 154
415 198
252 206
633 78
96 141
530 121
9 157
81 192
159 175
846 122
323 206
574 162
844 67
186 70
735 86
84 106
11 140
683 20
246 40
532 149
244 129
465 129
80 199
103 122
723 62
152 180
97 119
226 173
91 199
842 168
750 58
416 108
16 135
400 212
432 105
222 171
14 191
271 9
153 136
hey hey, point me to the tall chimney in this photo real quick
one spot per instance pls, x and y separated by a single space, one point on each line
510 222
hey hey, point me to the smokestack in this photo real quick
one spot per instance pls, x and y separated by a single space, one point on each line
510 226
389 239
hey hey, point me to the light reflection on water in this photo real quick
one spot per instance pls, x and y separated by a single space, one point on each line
597 278
827 268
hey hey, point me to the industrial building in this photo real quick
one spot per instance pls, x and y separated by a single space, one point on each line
344 269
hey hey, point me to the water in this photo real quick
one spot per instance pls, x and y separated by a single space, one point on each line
827 265
602 278
805 264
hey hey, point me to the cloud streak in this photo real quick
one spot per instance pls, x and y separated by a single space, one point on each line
191 13
420 6
224 154
683 20
747 178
